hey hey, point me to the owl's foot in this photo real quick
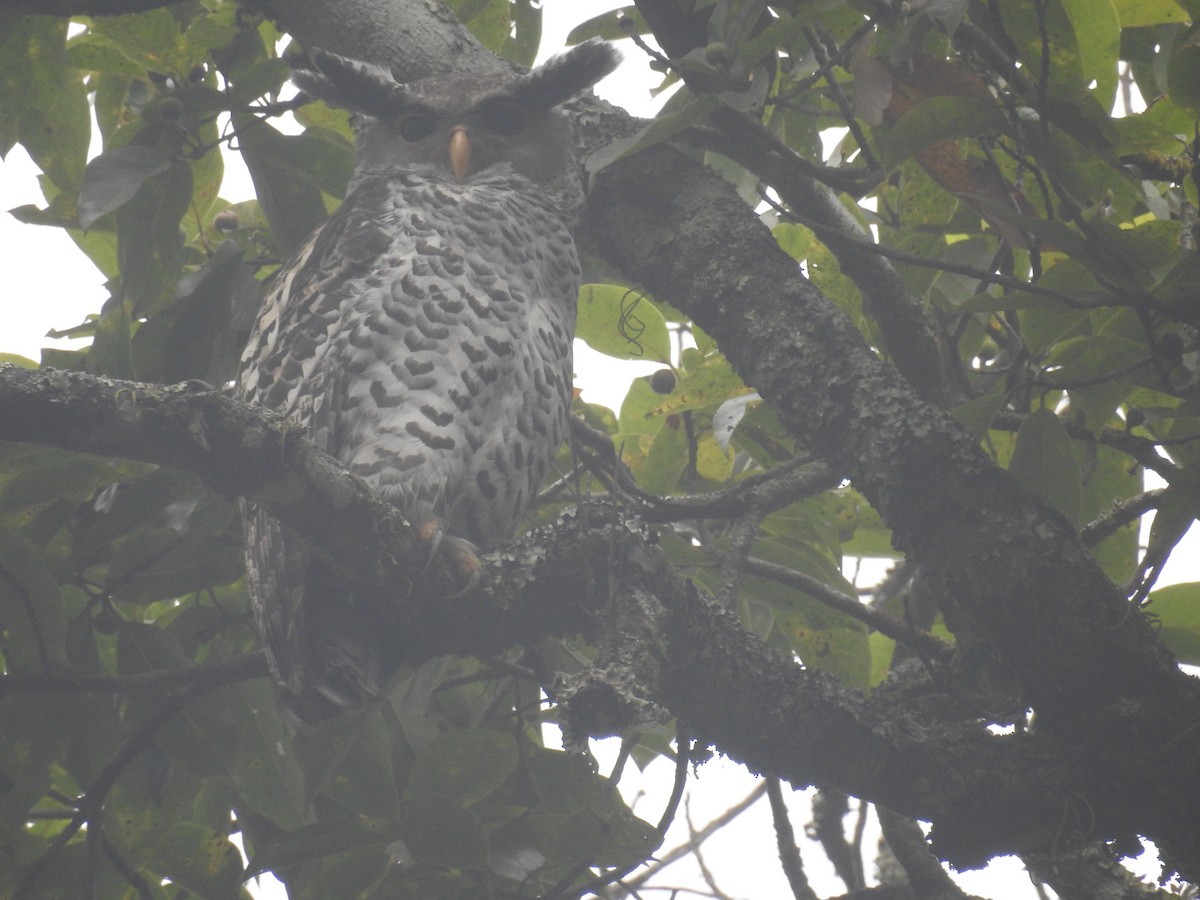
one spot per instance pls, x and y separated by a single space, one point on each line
463 555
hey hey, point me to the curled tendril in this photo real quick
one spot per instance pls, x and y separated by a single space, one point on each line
629 325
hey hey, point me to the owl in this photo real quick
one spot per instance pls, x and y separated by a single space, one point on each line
422 336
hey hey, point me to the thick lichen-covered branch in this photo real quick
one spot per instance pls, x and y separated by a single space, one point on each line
679 651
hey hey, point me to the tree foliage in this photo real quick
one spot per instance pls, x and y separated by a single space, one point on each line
917 293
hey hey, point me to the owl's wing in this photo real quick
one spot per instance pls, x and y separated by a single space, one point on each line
321 659
276 560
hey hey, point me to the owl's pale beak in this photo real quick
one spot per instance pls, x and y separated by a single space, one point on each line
460 152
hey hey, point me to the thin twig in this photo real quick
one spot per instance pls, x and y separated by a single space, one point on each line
741 539
1121 513
816 40
698 838
240 668
785 839
91 803
122 865
683 756
920 642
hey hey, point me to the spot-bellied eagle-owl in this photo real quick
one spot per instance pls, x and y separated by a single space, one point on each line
421 335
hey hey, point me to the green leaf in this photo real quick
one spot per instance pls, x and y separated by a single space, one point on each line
290 172
637 410
31 739
199 859
114 177
46 96
1026 28
1141 13
588 820
350 874
349 760
707 386
1044 463
522 44
111 352
138 503
31 608
607 25
195 336
977 415
1097 28
410 700
94 54
822 637
871 535
488 20
151 39
1091 358
758 44
664 127
437 830
147 648
215 29
937 119
32 477
1177 609
794 240
463 767
173 561
321 839
1109 478
149 245
265 76
268 776
1177 291
1064 238
622 323
666 459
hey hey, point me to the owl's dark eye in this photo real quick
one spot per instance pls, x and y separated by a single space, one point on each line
416 127
504 117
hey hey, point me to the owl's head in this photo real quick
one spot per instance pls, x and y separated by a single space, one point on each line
462 125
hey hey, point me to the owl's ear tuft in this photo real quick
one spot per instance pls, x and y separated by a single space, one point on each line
349 84
561 77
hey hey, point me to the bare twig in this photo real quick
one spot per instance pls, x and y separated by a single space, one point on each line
240 668
741 538
92 802
1121 513
921 642
925 874
829 808
697 838
785 838
683 754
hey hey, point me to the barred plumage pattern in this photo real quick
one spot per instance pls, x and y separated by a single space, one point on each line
422 336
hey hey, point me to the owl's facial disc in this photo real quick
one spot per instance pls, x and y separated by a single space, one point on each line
460 152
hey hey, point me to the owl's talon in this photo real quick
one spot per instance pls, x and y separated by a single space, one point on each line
430 532
462 554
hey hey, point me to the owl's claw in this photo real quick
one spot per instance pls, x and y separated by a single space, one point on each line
461 552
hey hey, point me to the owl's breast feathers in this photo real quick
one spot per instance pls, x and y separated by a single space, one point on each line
423 335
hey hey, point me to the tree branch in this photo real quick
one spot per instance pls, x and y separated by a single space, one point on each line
67 8
682 652
944 499
239 668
